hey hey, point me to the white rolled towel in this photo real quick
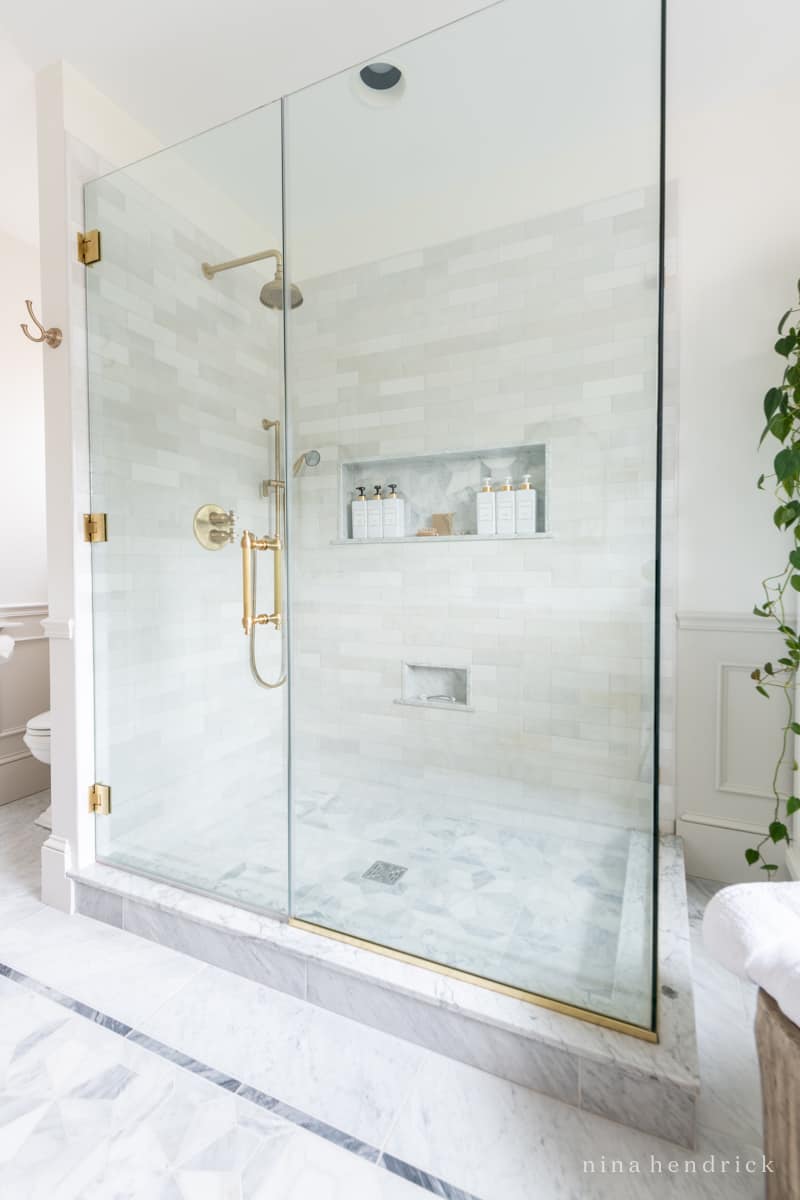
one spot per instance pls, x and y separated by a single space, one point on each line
775 967
6 647
739 920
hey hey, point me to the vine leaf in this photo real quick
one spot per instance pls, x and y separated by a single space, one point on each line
778 831
782 420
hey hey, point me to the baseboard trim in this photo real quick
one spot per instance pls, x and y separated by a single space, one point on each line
58 890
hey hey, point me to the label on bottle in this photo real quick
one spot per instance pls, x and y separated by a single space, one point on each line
359 508
526 510
485 507
506 514
374 518
393 517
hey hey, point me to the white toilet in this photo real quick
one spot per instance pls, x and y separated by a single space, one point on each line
37 737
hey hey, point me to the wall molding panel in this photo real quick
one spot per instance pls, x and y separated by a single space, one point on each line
24 692
728 738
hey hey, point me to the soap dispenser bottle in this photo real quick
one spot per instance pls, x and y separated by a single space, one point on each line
393 512
359 512
375 513
506 510
485 509
525 497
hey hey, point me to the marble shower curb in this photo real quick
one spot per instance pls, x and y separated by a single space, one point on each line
650 1087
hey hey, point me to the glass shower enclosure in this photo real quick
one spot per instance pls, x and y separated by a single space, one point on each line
425 720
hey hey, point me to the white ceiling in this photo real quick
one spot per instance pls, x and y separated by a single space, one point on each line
181 66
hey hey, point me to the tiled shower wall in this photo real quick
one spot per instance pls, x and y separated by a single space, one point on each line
539 332
182 372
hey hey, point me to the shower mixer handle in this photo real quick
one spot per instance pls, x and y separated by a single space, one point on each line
250 544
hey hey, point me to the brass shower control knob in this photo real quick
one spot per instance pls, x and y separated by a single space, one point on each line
214 527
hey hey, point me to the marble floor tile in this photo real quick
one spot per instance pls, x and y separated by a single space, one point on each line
88 1114
20 843
309 1168
121 975
502 1142
339 1071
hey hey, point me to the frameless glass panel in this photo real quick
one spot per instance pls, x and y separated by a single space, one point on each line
184 369
473 699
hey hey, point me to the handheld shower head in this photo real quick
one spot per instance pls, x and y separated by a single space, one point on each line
311 458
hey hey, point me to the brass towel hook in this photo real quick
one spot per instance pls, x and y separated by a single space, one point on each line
51 336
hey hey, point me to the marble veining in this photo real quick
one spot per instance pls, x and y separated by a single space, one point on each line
522 1042
186 1128
538 906
483 1135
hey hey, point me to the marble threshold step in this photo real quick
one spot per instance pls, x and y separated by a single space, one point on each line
652 1087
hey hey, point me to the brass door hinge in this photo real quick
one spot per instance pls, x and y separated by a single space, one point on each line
89 247
94 527
100 799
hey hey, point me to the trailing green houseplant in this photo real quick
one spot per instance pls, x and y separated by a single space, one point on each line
782 412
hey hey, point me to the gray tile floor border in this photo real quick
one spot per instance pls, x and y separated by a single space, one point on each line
345 1141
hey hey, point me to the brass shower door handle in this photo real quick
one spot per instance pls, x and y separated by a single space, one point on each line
251 543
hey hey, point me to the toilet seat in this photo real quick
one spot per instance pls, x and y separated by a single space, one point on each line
37 736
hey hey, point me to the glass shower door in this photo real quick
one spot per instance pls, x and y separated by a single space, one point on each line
474 223
185 388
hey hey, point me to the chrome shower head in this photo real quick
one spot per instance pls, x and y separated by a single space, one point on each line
271 295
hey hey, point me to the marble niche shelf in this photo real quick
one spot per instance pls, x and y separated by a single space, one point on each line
445 482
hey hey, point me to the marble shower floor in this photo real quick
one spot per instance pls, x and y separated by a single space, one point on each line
536 902
91 1110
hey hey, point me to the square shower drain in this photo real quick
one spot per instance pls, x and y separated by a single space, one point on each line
383 872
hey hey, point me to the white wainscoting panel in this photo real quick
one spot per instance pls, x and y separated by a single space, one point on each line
728 740
24 692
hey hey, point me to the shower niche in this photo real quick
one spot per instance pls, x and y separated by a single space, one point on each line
445 485
427 686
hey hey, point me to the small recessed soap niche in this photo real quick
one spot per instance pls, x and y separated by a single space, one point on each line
425 685
446 483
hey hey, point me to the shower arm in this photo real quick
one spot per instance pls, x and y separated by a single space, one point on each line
211 269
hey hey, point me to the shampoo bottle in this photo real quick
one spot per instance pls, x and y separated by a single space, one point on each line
375 513
485 506
506 510
359 509
525 497
393 511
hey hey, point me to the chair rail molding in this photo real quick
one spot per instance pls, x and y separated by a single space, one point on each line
722 622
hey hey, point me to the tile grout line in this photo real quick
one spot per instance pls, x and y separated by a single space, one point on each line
287 1112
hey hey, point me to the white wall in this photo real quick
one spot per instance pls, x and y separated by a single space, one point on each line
732 115
23 556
